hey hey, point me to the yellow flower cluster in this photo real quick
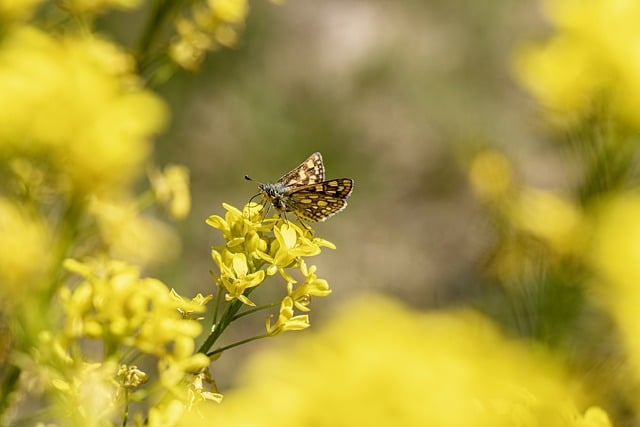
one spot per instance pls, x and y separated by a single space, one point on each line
591 61
171 189
134 316
212 23
616 256
115 304
88 103
17 10
533 215
381 364
25 257
256 249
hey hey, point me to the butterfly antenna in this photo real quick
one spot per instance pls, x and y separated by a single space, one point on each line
248 178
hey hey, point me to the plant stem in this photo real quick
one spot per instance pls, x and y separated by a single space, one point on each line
159 16
237 343
255 309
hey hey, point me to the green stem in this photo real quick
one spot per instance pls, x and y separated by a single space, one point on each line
161 13
235 344
125 418
227 317
218 328
253 310
9 382
218 295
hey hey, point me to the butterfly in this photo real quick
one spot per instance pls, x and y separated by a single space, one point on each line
306 194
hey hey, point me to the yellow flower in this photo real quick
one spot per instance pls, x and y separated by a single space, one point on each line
199 300
287 321
171 188
25 252
17 10
549 218
591 59
131 236
381 364
241 229
291 244
189 49
235 276
97 6
616 256
491 175
197 392
256 248
99 140
312 286
115 304
231 11
131 377
166 414
212 24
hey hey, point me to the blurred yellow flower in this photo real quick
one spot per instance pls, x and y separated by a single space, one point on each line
491 175
25 252
131 236
592 59
381 364
96 6
213 23
17 10
231 11
616 255
130 376
549 218
171 188
75 104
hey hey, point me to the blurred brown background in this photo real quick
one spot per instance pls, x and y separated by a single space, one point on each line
396 95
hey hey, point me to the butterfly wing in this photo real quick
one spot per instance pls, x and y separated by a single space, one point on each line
311 171
317 202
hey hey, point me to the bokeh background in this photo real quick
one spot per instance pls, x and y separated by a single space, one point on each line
398 96
486 266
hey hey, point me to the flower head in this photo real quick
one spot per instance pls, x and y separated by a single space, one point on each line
591 59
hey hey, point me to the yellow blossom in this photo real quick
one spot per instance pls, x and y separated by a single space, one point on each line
131 236
378 363
491 175
96 6
592 58
212 23
254 248
197 392
17 10
616 256
171 188
25 251
131 376
232 11
549 218
291 243
114 303
287 321
241 229
98 132
199 300
235 276
312 286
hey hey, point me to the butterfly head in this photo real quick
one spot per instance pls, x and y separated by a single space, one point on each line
273 193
